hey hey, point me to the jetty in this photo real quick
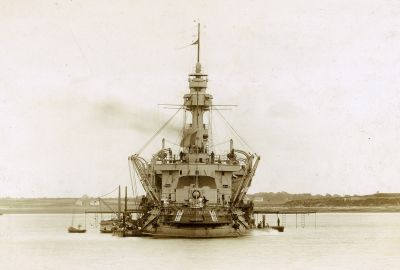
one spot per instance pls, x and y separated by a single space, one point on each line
300 218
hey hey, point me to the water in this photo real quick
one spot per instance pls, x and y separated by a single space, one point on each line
339 241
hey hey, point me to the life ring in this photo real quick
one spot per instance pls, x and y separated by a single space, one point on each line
196 194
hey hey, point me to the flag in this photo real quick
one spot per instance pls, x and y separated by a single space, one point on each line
195 43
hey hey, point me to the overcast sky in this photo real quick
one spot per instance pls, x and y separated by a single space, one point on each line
316 83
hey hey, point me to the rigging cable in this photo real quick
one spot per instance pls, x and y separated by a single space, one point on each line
171 142
210 126
237 134
108 193
158 131
224 142
108 206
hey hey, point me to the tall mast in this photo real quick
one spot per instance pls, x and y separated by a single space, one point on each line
126 199
126 206
119 201
198 43
197 101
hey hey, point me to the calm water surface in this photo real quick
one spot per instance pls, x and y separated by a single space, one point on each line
338 241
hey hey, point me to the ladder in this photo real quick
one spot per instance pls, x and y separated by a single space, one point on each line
302 220
96 220
284 219
153 215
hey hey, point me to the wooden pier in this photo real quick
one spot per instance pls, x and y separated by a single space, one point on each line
282 213
289 212
111 212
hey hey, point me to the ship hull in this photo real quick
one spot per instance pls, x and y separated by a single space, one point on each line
227 231
206 222
107 226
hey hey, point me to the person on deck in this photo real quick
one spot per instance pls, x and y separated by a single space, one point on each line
204 200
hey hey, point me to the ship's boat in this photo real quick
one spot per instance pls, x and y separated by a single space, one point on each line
108 226
72 229
195 192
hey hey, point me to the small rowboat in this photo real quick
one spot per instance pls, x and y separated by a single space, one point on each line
76 230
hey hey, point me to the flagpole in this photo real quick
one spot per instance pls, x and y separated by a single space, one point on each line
198 43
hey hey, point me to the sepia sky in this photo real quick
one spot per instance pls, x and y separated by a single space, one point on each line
317 84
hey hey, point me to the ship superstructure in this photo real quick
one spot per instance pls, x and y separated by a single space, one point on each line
196 192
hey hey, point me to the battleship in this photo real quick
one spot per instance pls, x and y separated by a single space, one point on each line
196 193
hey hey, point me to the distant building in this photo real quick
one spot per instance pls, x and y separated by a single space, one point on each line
258 199
94 203
79 202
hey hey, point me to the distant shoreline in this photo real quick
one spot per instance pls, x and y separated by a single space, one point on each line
365 204
47 210
377 209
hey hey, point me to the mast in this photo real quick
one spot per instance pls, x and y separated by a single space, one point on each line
126 206
126 199
197 101
119 201
198 43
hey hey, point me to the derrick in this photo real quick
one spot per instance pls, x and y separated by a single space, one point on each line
141 165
